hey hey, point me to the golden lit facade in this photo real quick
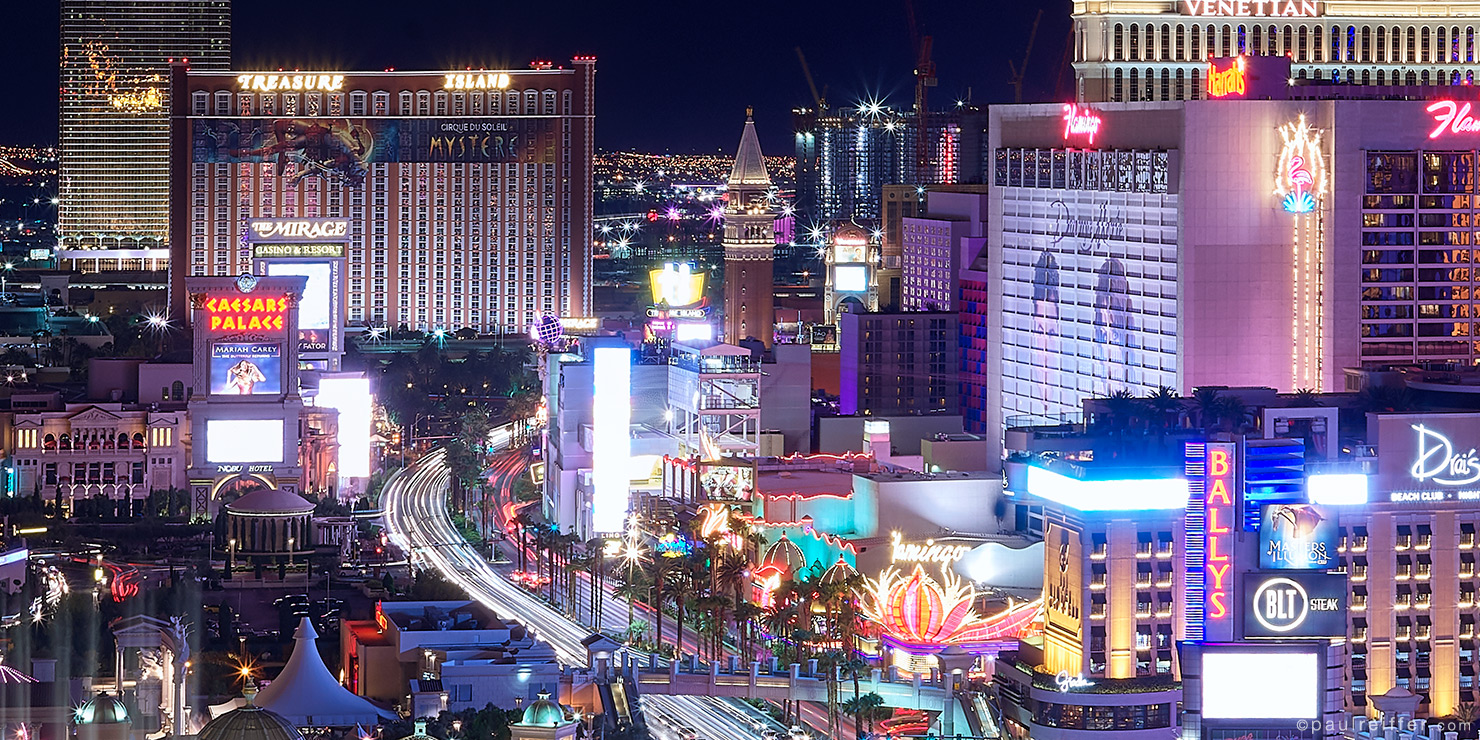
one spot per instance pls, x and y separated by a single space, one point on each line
1111 586
1135 50
468 195
114 133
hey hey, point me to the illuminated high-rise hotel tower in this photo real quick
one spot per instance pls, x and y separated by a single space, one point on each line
750 244
114 133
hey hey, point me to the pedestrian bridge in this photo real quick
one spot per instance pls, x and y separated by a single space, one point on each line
796 682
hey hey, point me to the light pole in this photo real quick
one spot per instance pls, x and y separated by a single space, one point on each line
230 557
290 553
5 278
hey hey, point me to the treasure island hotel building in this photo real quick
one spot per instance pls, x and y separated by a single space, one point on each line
466 193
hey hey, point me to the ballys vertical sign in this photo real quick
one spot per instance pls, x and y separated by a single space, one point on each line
1218 534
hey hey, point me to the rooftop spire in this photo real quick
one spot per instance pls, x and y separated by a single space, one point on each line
750 165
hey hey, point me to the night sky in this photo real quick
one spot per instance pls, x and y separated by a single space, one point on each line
671 76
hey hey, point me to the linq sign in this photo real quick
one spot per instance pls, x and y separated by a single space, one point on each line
245 314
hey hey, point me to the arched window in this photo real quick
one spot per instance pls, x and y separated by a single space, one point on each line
1443 53
1181 46
1423 78
138 440
1409 42
1396 52
1119 91
1381 77
1381 44
1118 51
1454 43
1269 41
66 441
1197 90
1366 44
1423 45
1196 44
1150 90
1366 77
1226 50
1302 74
1134 93
1351 43
1412 78
1212 49
1135 43
1335 55
177 391
1303 55
1256 38
1470 44
49 442
1181 90
1288 48
1243 39
1166 42
1166 84
1351 77
122 441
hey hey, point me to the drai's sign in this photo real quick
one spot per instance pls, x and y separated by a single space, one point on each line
1437 461
1255 8
930 552
1295 605
300 228
289 82
1066 682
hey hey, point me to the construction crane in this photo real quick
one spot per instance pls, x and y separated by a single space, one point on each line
924 78
818 100
1016 80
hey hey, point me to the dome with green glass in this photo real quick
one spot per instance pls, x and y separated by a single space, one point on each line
101 710
544 713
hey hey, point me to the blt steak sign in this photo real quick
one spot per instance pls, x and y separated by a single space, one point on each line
1293 604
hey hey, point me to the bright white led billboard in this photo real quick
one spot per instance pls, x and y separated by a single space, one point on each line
1260 685
350 396
611 422
244 440
850 278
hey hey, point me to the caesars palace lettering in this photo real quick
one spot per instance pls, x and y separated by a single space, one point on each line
1095 230
1256 8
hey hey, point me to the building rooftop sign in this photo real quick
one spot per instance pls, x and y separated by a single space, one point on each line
1254 8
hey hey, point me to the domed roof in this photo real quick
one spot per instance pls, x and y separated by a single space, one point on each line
785 555
838 572
270 501
544 713
102 710
249 723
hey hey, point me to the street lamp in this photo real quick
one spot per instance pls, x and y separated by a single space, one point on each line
290 553
5 278
230 556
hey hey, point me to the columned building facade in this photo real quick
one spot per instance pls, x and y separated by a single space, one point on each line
1128 50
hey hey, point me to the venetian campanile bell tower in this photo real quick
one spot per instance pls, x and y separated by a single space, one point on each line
749 245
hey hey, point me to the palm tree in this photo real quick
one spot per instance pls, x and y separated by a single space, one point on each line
1205 403
1304 398
1161 404
1233 413
745 616
865 708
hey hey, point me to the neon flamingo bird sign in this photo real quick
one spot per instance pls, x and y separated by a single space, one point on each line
1300 173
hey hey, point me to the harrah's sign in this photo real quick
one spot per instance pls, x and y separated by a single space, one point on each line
1225 82
1255 8
1452 118
1217 530
1080 122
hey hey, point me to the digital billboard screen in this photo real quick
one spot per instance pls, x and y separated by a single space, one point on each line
340 150
1259 685
319 309
726 481
1297 537
1292 604
244 440
850 278
246 368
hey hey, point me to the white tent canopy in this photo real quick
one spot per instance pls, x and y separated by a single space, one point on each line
308 696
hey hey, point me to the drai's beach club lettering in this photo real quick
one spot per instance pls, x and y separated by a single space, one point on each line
1437 461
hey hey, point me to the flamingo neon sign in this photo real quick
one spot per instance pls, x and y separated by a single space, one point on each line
1300 175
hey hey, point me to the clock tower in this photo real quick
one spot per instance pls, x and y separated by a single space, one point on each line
750 244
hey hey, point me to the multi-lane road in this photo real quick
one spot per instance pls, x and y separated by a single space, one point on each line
416 520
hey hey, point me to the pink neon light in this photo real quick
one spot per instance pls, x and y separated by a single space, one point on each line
1080 123
804 525
793 496
1454 117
